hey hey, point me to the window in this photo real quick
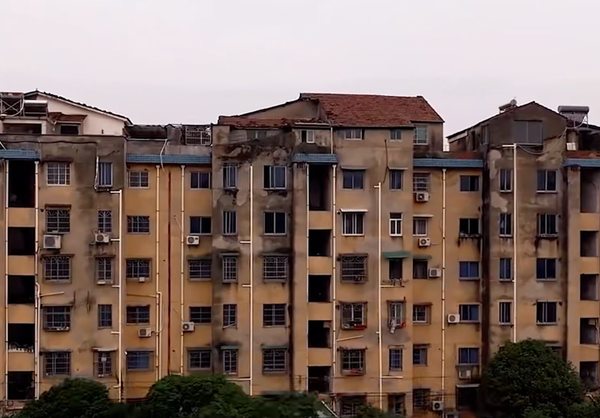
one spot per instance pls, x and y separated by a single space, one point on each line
199 359
546 268
420 226
395 268
528 132
138 315
546 313
69 128
230 361
469 183
229 315
273 314
468 356
421 314
57 318
105 174
58 220
505 226
275 223
395 224
104 316
200 268
104 270
505 313
229 222
138 360
421 182
354 315
57 268
275 177
395 359
396 314
469 227
469 312
200 180
230 176
200 225
396 134
353 223
58 174
546 225
468 269
397 404
230 268
421 135
352 133
546 180
104 221
350 406
353 267
257 134
420 354
138 224
201 314
420 269
103 363
353 361
138 179
505 180
421 398
275 267
57 363
137 268
396 179
353 179
505 267
308 136
274 360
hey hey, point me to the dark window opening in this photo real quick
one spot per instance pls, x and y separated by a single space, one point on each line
21 290
20 386
319 187
23 128
21 337
69 129
318 379
318 334
469 227
395 269
319 288
21 241
420 269
588 287
467 398
588 331
21 184
588 197
588 372
588 243
318 242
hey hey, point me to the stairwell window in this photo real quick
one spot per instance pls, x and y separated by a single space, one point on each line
229 222
229 264
105 174
546 313
546 181
104 316
505 269
353 223
505 313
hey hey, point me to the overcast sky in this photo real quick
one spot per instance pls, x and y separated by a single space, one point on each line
192 60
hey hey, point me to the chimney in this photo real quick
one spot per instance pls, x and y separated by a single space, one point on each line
510 105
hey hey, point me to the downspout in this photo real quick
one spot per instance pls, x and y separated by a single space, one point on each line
36 307
119 288
379 317
158 301
515 239
6 200
251 296
443 372
307 232
333 280
181 268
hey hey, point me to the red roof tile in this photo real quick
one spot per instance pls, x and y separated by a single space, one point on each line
250 122
369 110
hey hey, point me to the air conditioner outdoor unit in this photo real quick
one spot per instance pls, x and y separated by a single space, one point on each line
424 242
453 318
188 326
145 332
143 279
193 240
464 374
52 242
101 282
571 146
102 238
435 272
437 406
421 197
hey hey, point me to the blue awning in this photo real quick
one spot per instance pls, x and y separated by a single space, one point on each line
315 158
19 154
178 159
395 254
447 163
582 162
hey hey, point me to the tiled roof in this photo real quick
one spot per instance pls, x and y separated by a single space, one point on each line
250 122
168 159
370 110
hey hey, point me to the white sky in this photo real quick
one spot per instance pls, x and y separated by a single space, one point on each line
189 61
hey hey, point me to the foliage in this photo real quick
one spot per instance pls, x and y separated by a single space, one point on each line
71 398
369 411
527 379
589 409
290 405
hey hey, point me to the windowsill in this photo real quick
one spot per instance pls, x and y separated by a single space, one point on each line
547 191
138 324
139 187
351 373
469 279
229 281
201 234
138 370
420 235
469 322
505 191
233 235
276 189
274 280
396 235
354 139
201 279
506 280
419 365
506 324
421 323
355 189
57 281
57 330
547 236
138 233
275 235
230 189
230 326
353 235
545 324
505 236
203 370
421 144
545 280
274 326
354 281
269 372
195 189
395 190
57 185
463 235
201 323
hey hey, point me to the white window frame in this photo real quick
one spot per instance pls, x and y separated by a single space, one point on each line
546 303
229 223
502 267
544 223
505 180
421 182
426 312
396 224
504 309
270 173
105 174
545 173
307 136
274 216
140 176
396 172
230 176
419 139
425 222
353 223
470 321
396 134
505 225
62 172
353 134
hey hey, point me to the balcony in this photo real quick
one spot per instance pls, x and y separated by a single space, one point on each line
320 220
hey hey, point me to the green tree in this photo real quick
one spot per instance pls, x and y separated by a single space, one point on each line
81 398
526 379
289 405
369 411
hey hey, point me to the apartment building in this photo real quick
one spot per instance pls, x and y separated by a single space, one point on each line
326 244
